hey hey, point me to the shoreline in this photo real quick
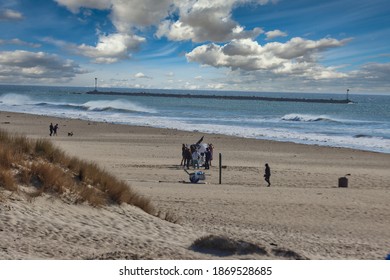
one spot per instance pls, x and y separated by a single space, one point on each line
199 132
303 211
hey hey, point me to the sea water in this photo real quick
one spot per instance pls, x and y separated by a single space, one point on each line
363 124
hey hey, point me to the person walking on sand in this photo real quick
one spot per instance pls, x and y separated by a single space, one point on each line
267 174
51 128
55 129
183 156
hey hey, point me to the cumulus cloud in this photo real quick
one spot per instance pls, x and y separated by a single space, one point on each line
128 14
125 14
24 66
8 14
196 20
110 48
203 20
274 34
295 57
298 47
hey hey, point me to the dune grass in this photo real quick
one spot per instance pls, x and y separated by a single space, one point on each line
41 167
7 180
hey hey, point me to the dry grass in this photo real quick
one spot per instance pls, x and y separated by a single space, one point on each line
7 181
39 164
24 175
92 196
6 158
12 149
45 149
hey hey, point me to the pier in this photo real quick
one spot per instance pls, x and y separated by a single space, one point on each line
226 97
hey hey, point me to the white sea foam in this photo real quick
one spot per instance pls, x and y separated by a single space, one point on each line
125 105
307 118
13 99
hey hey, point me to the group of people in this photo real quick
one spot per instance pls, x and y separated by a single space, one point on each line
53 129
196 158
192 156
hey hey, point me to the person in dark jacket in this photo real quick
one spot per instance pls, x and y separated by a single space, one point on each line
267 174
207 159
51 129
188 157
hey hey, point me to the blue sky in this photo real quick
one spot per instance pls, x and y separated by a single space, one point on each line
249 45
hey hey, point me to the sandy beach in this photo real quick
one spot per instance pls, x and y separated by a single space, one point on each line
304 214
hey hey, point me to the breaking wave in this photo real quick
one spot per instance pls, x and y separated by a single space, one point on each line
13 99
307 118
116 105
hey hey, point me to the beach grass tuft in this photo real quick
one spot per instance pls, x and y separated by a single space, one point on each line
44 168
7 181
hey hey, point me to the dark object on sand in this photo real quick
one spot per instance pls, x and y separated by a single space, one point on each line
343 182
196 176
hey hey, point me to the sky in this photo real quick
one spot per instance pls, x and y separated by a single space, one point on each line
324 46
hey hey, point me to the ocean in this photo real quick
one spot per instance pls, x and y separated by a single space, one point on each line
363 124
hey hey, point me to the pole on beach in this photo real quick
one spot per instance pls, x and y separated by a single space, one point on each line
95 84
220 168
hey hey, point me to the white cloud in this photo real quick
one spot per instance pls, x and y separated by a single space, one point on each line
8 14
110 48
138 86
24 66
274 34
196 20
204 20
216 86
125 14
190 86
128 14
296 57
298 47
141 75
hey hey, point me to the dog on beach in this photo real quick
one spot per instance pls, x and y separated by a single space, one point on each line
70 133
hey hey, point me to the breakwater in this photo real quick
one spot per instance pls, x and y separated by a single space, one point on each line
226 97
